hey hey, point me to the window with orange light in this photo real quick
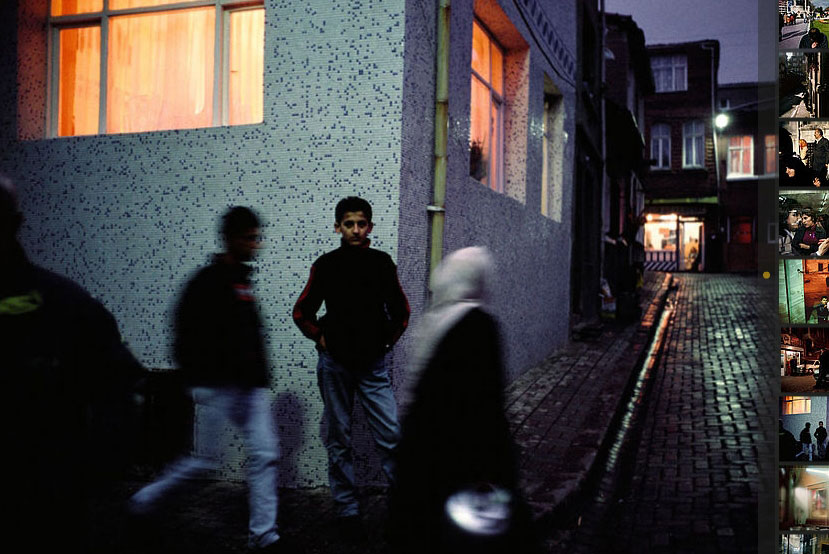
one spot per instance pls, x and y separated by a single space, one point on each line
793 405
486 141
771 154
125 66
740 156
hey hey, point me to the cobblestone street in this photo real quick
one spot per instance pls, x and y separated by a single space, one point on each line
691 480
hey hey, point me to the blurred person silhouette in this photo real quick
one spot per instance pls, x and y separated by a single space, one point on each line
820 441
806 442
788 445
823 374
457 487
70 387
219 346
366 312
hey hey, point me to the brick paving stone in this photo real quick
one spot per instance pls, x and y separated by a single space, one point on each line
695 482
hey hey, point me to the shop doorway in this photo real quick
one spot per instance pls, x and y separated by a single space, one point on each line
674 243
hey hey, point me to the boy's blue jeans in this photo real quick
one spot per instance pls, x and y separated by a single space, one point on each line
250 411
373 389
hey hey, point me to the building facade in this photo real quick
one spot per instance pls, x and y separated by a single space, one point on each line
122 193
628 80
747 158
682 203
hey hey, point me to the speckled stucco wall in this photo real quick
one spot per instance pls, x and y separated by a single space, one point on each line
349 109
531 296
131 216
796 422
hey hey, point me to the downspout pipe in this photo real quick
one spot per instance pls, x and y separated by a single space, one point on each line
719 261
437 208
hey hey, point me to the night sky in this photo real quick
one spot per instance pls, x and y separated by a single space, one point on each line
733 23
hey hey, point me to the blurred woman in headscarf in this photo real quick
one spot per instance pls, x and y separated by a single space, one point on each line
457 475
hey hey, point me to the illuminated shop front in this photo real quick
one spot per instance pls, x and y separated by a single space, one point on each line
791 360
673 242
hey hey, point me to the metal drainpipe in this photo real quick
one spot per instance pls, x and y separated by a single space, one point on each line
437 208
720 261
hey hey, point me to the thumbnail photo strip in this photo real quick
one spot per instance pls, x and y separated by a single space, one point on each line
803 264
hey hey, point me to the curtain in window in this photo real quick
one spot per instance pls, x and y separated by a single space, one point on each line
740 155
694 143
661 145
79 81
479 140
771 154
124 4
160 71
247 66
70 7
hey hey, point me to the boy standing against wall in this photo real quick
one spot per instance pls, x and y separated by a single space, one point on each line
366 313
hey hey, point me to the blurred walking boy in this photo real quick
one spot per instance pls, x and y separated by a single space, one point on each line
366 313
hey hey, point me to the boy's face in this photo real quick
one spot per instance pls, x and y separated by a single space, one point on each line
243 246
354 227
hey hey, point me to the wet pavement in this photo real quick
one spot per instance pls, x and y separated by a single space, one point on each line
696 462
689 479
800 383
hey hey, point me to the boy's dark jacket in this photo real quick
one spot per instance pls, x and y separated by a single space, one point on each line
366 309
218 330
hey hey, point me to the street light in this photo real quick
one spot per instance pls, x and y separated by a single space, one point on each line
721 121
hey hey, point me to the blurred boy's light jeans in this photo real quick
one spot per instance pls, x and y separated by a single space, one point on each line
249 410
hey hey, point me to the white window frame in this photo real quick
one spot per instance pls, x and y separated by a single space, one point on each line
743 153
661 139
496 140
221 56
696 153
671 63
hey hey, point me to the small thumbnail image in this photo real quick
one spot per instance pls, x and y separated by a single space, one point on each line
803 288
802 84
801 355
804 498
804 154
804 543
803 220
802 429
802 28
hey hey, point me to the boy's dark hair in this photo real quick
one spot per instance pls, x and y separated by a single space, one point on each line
237 220
352 204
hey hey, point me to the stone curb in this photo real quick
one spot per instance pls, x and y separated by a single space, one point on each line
565 499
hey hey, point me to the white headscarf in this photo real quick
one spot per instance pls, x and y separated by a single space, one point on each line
459 284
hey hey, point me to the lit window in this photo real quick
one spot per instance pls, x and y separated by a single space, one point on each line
797 405
693 144
145 65
740 156
552 127
486 131
771 155
669 73
661 145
